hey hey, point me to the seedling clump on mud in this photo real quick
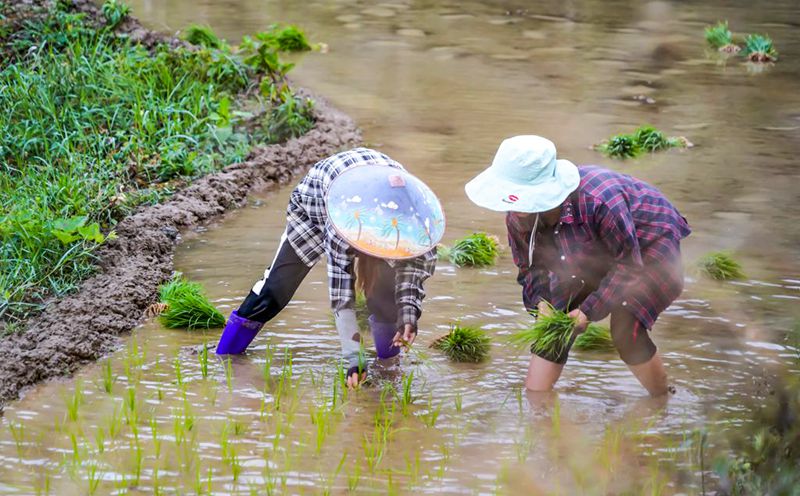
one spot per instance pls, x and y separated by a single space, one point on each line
594 338
549 335
187 307
476 250
644 139
464 344
759 48
720 37
720 266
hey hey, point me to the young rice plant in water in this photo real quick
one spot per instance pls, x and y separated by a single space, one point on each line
550 334
187 306
720 37
720 266
464 344
475 250
109 125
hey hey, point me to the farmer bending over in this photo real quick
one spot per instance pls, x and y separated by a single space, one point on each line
591 242
355 205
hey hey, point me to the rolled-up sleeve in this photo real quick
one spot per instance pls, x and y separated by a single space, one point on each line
409 292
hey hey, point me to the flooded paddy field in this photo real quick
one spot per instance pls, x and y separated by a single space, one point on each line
437 86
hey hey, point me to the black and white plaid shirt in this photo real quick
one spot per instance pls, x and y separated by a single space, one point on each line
311 236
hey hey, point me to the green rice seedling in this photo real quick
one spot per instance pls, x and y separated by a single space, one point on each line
329 478
374 449
759 48
203 359
406 398
93 477
524 444
464 344
202 36
115 422
18 434
320 418
594 338
651 139
269 355
476 250
154 434
74 402
620 146
430 417
178 371
720 37
188 307
115 12
458 402
229 374
100 439
556 418
354 478
550 334
721 266
108 377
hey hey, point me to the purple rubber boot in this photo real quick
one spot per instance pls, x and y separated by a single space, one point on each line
237 335
382 334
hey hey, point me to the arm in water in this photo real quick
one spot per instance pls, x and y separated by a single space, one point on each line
409 293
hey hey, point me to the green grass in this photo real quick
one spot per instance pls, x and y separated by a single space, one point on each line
476 250
721 266
464 344
187 306
202 36
644 139
759 48
549 335
94 126
594 338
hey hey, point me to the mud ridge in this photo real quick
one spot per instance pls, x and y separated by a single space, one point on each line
85 326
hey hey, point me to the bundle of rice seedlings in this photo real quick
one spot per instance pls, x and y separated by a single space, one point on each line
594 338
645 139
720 37
287 38
721 266
476 250
620 146
549 335
651 139
202 36
759 48
185 306
464 344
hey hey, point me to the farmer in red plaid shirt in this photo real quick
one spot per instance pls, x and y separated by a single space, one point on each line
591 242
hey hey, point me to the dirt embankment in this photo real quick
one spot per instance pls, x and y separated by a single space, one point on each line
86 325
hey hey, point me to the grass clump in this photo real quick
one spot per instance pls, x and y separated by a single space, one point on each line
759 48
644 139
721 266
464 344
721 38
594 338
95 125
202 36
187 306
476 250
550 335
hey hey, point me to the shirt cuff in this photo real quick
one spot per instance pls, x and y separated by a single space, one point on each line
407 315
592 308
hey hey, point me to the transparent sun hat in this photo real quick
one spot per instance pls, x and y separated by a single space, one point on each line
385 212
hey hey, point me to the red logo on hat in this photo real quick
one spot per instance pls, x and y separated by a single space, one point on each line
511 199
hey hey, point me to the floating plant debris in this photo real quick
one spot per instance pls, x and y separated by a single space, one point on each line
202 36
644 139
184 305
476 250
720 37
721 266
549 335
464 344
595 338
759 48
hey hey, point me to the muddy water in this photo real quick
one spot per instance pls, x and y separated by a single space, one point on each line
437 85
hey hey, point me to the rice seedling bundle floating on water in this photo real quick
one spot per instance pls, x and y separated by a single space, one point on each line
720 37
594 338
645 139
721 266
759 48
464 344
549 335
202 36
476 250
185 305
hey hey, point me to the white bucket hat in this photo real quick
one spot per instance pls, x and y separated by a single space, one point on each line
524 177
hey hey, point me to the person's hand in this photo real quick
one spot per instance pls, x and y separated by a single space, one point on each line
407 337
354 379
581 321
544 309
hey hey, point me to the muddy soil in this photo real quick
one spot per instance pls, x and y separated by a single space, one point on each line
86 325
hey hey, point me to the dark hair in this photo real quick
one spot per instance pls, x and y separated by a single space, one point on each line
367 270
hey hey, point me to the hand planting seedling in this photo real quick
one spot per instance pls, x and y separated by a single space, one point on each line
549 335
720 37
644 139
464 344
721 266
476 250
759 48
594 338
183 305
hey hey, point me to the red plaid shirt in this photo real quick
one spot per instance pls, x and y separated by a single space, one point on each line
617 236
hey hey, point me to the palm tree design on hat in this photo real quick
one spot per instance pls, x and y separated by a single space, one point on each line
355 220
393 225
